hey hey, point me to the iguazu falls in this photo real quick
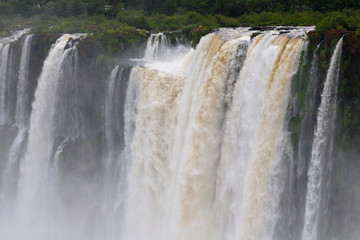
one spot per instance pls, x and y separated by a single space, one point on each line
250 133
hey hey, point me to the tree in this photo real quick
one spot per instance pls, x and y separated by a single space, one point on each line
230 8
61 8
23 7
95 7
258 5
75 7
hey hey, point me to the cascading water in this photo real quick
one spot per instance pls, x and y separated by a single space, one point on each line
114 158
240 124
257 193
4 79
33 199
22 114
42 126
157 47
11 169
180 184
182 144
322 146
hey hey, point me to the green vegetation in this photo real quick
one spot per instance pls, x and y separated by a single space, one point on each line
295 127
186 15
117 23
125 22
231 8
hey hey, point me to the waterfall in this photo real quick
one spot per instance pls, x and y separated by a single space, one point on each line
130 114
4 81
7 76
155 121
36 166
322 146
10 173
306 135
184 143
157 47
21 116
177 171
240 123
42 121
114 158
113 146
256 217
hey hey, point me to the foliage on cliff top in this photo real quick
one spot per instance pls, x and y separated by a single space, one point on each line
233 8
347 19
119 27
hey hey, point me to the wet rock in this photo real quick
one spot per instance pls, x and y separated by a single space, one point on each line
284 28
261 28
334 34
314 37
283 32
352 42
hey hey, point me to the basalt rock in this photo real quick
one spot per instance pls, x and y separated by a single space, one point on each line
352 42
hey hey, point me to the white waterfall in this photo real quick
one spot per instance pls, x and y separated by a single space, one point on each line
4 65
11 171
36 166
115 158
42 122
321 149
112 153
22 98
183 144
6 68
157 47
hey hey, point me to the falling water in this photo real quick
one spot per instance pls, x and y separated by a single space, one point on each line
157 47
174 166
113 146
22 98
256 217
7 78
181 144
4 81
10 174
114 158
130 114
155 121
310 104
36 166
321 149
241 119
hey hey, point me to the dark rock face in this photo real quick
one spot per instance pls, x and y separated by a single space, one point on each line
88 48
314 38
334 34
353 42
263 28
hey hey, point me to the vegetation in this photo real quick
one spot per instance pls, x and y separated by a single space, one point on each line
162 15
232 8
192 23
